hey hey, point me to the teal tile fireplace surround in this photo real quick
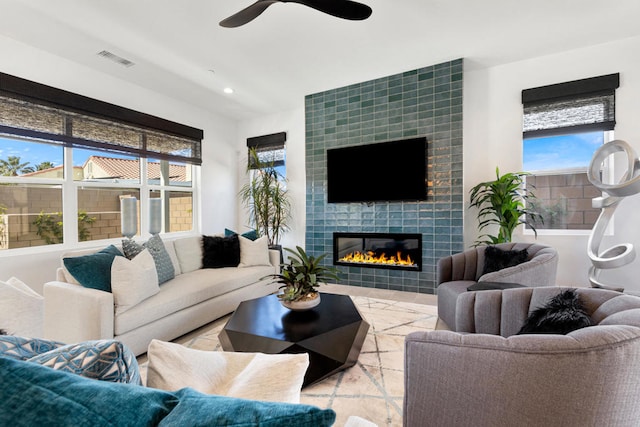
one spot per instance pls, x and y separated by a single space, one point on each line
424 102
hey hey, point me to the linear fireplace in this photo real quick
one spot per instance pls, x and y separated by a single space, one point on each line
397 251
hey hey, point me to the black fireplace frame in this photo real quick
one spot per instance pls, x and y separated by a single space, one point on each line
391 236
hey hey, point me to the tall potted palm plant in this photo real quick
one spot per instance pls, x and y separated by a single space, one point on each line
505 203
266 198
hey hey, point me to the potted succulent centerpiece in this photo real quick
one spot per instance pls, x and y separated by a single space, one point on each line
300 277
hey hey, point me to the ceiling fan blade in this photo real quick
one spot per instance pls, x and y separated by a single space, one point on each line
247 14
345 9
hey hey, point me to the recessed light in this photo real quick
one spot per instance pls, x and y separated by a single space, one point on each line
228 90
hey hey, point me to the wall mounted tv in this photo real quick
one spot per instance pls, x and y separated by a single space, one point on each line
385 171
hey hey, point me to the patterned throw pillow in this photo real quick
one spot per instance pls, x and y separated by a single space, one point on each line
161 257
106 360
25 348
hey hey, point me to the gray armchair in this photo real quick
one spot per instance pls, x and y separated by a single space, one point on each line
459 271
490 377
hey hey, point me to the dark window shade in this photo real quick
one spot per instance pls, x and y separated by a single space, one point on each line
269 148
577 106
32 110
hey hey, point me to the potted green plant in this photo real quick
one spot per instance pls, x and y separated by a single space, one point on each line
266 197
300 278
506 203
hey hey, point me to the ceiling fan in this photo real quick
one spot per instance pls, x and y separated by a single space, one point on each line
345 9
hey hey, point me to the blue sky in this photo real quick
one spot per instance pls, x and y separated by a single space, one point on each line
563 151
36 153
556 152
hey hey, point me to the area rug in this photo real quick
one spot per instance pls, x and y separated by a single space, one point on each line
373 388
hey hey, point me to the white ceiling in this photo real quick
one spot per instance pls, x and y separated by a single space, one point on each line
291 50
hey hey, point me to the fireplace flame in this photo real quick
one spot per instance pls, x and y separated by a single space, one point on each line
370 257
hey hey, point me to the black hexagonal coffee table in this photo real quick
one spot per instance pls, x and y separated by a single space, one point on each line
332 333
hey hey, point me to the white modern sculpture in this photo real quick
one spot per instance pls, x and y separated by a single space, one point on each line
628 185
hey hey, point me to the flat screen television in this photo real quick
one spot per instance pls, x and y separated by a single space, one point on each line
386 171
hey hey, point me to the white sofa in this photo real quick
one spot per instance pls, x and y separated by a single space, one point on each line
73 313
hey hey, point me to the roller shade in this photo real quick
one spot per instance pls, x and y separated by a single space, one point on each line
32 110
576 106
269 148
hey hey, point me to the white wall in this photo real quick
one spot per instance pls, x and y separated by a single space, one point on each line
493 137
291 122
217 198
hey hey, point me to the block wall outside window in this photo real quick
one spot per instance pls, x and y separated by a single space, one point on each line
564 201
21 206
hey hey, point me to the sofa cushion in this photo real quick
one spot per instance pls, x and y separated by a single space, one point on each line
496 259
21 309
133 280
187 290
36 395
220 251
254 376
189 253
171 250
164 266
254 252
93 271
23 348
251 234
105 360
195 408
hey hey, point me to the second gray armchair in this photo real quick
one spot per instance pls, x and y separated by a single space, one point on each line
459 271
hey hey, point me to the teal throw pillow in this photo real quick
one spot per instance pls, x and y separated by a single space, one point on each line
155 245
32 395
35 395
105 360
197 409
22 348
93 271
251 234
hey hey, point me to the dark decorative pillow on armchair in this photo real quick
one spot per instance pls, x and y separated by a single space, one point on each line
496 259
563 313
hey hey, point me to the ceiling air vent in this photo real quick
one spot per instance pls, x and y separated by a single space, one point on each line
115 58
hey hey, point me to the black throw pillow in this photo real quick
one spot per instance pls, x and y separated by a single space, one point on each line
220 252
496 259
563 313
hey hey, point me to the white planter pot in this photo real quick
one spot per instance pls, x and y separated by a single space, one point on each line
303 305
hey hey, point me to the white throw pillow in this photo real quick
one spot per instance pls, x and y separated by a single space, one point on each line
133 281
254 252
256 376
21 309
189 252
